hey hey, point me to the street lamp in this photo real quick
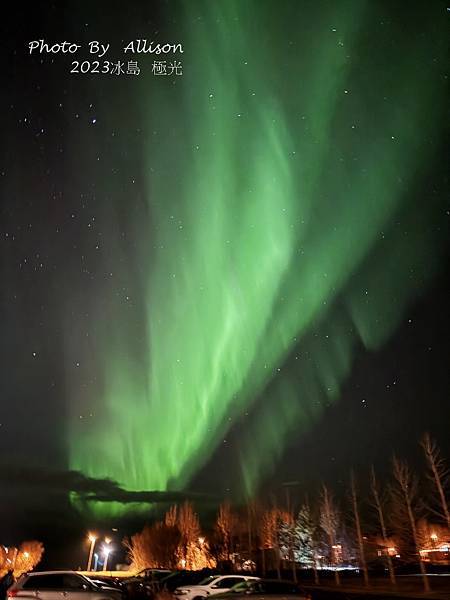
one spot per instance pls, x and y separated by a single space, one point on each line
106 551
92 538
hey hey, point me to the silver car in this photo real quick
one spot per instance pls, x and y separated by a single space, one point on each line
266 589
60 585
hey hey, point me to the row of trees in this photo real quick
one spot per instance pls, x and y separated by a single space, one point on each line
22 559
398 521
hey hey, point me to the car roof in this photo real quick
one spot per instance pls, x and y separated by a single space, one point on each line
34 573
239 575
278 581
189 585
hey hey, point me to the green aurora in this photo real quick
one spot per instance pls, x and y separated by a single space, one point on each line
271 250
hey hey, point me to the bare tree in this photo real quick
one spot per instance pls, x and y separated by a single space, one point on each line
189 527
378 504
268 532
437 473
27 557
405 492
156 545
165 543
359 536
139 549
170 518
329 522
226 524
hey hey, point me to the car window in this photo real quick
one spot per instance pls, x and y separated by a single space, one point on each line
44 582
208 580
73 582
229 582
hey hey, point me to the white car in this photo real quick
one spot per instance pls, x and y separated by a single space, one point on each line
214 584
60 585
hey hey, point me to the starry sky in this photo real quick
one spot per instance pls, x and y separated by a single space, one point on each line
228 275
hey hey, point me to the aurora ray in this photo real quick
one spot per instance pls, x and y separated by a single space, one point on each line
271 207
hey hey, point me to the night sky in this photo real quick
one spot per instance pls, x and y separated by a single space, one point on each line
226 276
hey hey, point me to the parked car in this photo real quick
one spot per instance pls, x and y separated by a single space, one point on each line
154 574
53 585
145 584
273 589
212 585
184 578
106 582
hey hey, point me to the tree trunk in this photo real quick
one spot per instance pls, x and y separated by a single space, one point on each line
423 571
250 541
337 577
438 470
316 573
362 557
407 486
380 512
441 493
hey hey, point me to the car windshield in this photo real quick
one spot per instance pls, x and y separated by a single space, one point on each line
208 579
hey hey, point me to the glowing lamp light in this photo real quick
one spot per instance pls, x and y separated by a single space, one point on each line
92 539
107 549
